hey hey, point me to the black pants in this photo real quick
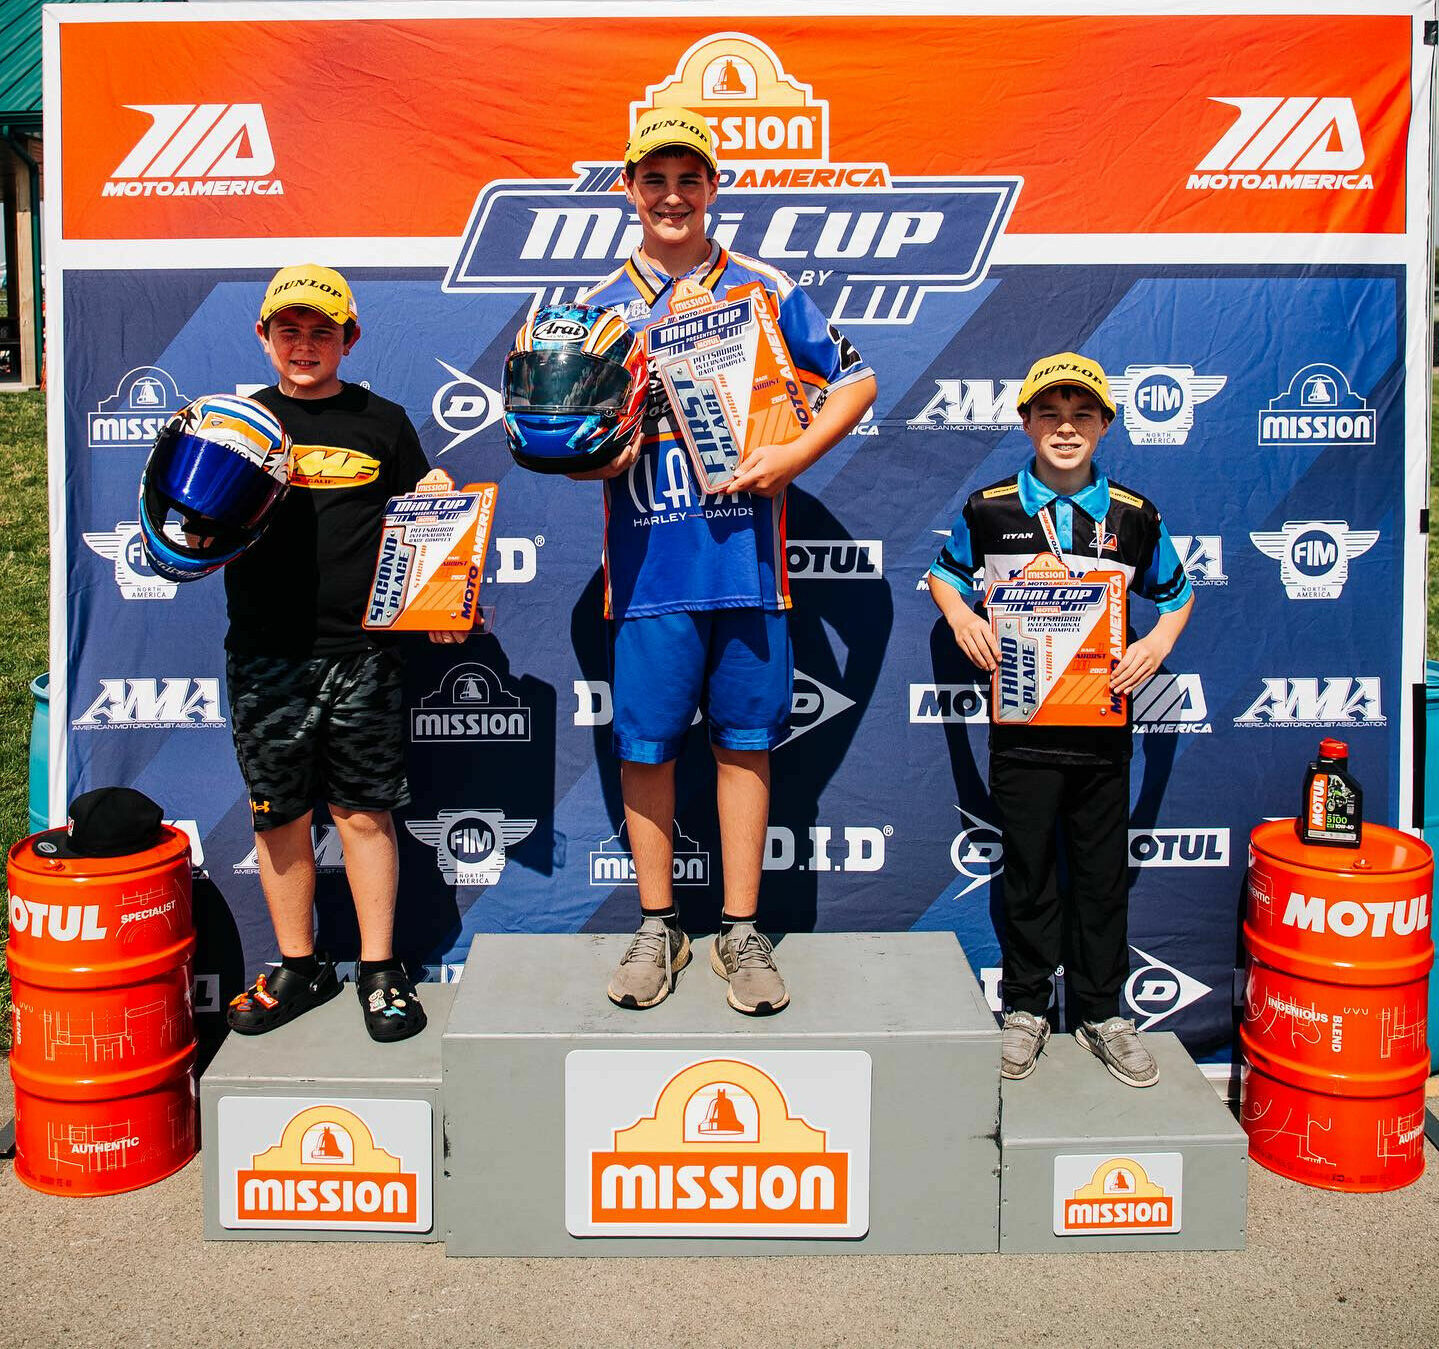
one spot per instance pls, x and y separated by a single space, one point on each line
1088 929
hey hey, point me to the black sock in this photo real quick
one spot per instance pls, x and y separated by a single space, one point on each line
728 920
364 967
671 916
308 965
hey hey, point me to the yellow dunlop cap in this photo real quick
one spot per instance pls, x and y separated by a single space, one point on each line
311 286
1067 367
661 127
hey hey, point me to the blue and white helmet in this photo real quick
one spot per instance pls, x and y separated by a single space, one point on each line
222 464
574 388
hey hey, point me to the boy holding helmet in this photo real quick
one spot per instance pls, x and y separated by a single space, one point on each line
316 702
695 581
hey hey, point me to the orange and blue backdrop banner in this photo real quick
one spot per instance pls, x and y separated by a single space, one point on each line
1228 210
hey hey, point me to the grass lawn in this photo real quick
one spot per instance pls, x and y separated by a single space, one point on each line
24 538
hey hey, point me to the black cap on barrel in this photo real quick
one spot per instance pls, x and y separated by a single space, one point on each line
106 822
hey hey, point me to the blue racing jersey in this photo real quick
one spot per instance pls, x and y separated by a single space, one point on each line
669 546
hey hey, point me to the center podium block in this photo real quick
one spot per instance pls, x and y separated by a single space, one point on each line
862 1118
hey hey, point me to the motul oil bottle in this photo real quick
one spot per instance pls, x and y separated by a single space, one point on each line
1331 810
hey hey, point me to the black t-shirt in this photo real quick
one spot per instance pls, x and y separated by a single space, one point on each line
301 590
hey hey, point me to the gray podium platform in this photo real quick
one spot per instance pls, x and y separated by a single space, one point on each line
313 1132
864 1117
1119 1169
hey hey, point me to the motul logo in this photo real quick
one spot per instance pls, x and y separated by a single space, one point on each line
1349 918
1303 142
204 149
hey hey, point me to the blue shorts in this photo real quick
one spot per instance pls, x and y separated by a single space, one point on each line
665 665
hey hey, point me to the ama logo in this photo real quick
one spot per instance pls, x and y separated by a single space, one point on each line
1342 701
870 246
1202 557
1159 401
1314 555
1318 408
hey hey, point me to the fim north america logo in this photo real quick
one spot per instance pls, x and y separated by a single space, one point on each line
133 574
471 705
1318 408
1159 401
470 845
1314 555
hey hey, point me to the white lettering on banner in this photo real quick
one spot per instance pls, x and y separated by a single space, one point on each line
516 562
971 405
1159 401
1343 701
1202 556
1171 704
1350 918
1318 407
133 574
57 922
1277 135
855 847
198 150
593 705
612 863
125 704
835 559
1179 847
948 703
1314 555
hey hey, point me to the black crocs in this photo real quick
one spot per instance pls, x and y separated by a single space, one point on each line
280 996
392 1011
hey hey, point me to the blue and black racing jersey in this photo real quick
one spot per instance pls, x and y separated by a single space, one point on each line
1104 526
668 545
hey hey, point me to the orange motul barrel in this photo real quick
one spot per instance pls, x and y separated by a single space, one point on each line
100 957
1336 999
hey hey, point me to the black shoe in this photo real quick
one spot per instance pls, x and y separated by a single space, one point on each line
392 1011
280 996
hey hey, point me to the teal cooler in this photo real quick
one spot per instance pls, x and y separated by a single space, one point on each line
1431 823
40 755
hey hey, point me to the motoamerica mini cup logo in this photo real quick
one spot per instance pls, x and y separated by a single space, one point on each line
471 844
869 246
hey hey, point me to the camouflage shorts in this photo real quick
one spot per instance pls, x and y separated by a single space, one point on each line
329 728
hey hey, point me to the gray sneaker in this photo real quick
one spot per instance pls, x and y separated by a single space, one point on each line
744 956
1024 1036
1116 1044
648 968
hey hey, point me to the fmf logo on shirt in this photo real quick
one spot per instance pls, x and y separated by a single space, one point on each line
1159 401
133 704
198 150
1097 1194
660 1143
329 1168
1342 701
1202 556
133 573
1314 555
1306 143
1318 408
144 400
327 467
470 845
612 863
869 246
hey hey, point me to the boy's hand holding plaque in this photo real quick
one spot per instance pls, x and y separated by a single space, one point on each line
1060 637
729 378
432 550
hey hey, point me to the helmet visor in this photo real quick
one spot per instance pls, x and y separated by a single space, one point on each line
564 381
211 482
